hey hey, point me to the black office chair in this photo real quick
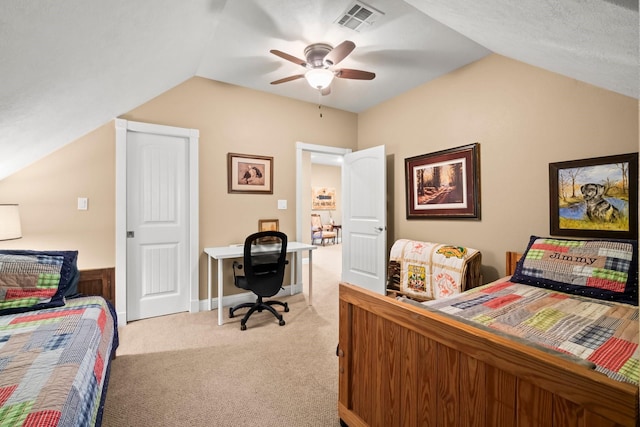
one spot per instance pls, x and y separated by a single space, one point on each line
265 257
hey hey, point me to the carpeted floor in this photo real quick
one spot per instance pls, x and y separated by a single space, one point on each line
184 370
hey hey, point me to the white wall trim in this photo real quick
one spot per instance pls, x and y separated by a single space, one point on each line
193 135
235 299
121 221
300 147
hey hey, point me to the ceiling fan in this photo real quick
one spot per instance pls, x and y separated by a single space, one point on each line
320 58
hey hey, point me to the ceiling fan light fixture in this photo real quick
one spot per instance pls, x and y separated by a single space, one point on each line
319 78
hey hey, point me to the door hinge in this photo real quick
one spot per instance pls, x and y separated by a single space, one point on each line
130 234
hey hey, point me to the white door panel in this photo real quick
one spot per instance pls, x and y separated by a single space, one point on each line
157 217
364 251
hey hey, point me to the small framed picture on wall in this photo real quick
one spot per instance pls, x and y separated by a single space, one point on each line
249 174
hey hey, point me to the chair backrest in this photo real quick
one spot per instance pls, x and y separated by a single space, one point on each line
265 256
316 222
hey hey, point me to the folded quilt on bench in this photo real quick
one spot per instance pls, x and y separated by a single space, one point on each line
430 270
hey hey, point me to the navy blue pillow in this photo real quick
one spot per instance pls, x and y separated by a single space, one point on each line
69 276
601 269
72 289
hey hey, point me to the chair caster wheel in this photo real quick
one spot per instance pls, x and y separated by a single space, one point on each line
243 327
282 322
230 313
286 308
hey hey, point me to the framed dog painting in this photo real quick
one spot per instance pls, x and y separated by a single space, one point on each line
595 197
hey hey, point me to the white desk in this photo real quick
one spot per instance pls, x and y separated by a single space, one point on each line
226 252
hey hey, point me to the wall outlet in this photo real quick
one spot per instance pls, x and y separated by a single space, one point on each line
282 204
83 203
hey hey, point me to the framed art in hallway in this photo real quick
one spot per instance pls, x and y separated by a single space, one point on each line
596 197
249 174
323 198
444 184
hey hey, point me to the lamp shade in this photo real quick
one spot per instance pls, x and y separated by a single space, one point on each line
10 222
319 78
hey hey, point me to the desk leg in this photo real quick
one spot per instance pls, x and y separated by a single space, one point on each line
294 270
220 321
310 277
209 282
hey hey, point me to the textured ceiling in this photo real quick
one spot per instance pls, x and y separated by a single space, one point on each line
69 66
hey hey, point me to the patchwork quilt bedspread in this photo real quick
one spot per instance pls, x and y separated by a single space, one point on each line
54 364
603 333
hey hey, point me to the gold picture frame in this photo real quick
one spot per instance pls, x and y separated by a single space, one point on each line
268 225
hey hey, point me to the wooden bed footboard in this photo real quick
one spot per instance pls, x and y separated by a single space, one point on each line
401 365
98 281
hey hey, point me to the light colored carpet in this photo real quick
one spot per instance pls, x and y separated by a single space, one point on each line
185 370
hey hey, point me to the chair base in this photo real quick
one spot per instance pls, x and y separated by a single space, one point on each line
259 306
324 240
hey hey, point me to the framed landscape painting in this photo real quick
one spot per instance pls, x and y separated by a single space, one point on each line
595 197
444 184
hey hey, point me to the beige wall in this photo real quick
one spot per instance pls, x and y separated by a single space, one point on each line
328 176
239 120
524 118
47 192
229 118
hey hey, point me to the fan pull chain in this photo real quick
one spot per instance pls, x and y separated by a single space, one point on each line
320 103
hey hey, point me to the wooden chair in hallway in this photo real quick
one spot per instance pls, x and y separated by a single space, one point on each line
322 232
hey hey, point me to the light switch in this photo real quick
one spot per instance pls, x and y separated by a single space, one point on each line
83 203
282 204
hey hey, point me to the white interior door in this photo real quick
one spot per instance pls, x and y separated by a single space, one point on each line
157 225
364 228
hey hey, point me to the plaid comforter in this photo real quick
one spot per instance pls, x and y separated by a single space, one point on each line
54 364
603 333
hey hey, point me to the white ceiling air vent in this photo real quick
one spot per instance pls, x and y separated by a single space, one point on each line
358 16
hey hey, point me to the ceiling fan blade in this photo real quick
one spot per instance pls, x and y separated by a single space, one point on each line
339 52
289 57
288 79
346 73
326 91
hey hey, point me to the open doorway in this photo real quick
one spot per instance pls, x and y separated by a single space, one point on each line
364 218
324 158
326 192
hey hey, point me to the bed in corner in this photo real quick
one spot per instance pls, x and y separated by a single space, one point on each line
403 364
56 342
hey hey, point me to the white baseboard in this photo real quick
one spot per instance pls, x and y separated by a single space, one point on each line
235 299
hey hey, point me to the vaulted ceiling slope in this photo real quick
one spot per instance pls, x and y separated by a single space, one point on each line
69 66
